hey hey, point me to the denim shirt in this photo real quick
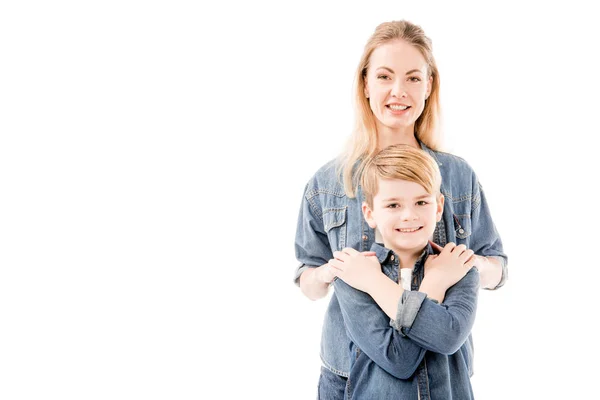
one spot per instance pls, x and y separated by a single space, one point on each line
329 221
426 349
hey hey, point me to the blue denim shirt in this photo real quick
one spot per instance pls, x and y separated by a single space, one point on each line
330 221
427 346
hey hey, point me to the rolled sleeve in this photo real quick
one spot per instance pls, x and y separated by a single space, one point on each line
408 308
368 327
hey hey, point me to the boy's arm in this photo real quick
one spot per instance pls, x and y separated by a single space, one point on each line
441 328
369 328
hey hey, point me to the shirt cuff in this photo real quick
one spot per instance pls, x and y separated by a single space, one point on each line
408 308
504 276
301 268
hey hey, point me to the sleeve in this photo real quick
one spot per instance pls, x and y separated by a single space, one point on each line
312 244
369 328
440 328
485 240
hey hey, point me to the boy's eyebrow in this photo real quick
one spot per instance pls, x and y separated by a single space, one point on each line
424 196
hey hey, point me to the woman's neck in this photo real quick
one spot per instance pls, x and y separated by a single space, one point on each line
387 137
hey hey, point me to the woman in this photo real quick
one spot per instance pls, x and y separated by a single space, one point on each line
397 102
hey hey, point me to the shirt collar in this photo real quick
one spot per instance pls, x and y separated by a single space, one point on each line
383 254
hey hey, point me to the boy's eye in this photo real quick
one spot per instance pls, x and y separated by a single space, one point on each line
422 203
393 205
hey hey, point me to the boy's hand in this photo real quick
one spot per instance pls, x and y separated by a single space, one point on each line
450 266
359 270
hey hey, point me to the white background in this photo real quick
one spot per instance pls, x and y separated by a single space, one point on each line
152 162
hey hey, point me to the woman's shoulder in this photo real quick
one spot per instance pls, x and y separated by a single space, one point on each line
451 163
327 179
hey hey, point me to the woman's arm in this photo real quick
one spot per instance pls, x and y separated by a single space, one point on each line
485 242
315 281
312 250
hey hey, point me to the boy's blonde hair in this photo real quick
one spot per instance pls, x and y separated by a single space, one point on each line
363 142
401 161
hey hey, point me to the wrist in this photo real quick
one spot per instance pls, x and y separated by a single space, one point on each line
319 276
490 272
375 282
432 289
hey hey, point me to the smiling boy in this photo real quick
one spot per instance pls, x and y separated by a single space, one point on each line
425 350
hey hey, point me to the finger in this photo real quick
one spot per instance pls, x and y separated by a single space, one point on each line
458 250
470 262
436 247
337 264
368 253
449 247
338 255
350 251
464 257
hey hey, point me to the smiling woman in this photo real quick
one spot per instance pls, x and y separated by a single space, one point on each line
397 102
397 85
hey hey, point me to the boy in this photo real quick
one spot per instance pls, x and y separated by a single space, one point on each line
424 352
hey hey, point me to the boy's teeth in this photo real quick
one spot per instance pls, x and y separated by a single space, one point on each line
408 229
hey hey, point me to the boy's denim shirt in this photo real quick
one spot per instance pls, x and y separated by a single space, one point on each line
330 221
426 349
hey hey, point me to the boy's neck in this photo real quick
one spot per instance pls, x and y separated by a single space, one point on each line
407 258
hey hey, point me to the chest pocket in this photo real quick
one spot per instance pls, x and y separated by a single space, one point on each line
462 228
334 222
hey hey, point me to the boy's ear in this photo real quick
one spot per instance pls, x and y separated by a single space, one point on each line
368 213
440 208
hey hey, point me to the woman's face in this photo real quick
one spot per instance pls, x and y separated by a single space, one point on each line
397 84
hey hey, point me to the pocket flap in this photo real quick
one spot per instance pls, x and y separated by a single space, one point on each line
333 217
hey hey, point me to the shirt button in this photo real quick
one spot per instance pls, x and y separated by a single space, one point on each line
461 230
392 257
365 237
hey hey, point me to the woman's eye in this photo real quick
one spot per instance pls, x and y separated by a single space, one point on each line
414 79
382 76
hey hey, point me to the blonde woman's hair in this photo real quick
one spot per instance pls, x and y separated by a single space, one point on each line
363 141
401 161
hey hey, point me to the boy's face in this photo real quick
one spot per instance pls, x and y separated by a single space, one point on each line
404 213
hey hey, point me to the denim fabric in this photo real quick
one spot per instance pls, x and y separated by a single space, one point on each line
329 221
331 386
419 349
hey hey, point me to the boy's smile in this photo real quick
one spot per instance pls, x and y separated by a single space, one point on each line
405 215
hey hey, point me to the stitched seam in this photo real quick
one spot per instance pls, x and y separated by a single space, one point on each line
335 371
464 197
314 192
335 209
314 207
464 215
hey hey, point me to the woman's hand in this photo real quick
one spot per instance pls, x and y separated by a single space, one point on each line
359 270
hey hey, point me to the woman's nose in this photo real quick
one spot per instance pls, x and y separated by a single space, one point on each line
398 90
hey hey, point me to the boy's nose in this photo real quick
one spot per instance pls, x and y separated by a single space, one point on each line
408 214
